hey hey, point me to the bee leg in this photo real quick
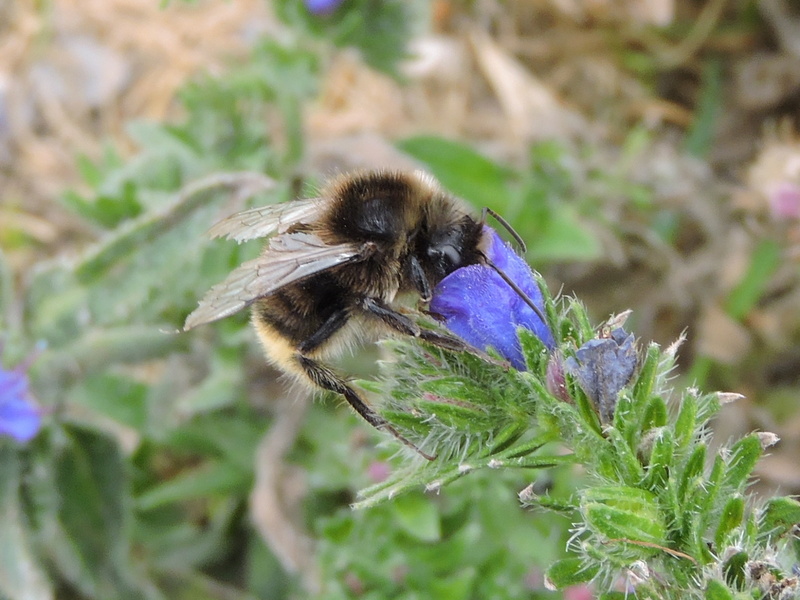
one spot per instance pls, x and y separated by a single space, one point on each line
404 324
327 379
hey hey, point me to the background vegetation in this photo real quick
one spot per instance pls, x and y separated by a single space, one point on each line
646 152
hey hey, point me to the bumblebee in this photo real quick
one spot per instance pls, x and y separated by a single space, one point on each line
336 267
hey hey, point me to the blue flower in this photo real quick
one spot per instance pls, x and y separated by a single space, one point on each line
322 7
482 309
20 418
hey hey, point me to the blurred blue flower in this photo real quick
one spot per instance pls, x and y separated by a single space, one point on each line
322 7
20 418
482 309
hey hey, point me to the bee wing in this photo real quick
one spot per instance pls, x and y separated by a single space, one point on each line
265 220
288 259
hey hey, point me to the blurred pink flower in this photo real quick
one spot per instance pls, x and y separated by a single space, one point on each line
784 201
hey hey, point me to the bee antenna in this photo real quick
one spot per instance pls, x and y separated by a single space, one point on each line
506 225
516 288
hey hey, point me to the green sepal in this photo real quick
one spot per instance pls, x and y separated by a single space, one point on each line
626 462
457 414
625 416
685 424
743 458
626 514
659 461
563 507
584 328
780 516
692 473
505 437
406 421
454 387
647 372
734 570
655 415
717 590
730 519
712 485
535 352
571 571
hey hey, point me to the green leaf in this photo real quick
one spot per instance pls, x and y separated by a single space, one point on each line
766 259
418 517
212 479
461 170
6 290
91 174
107 211
458 586
700 137
89 542
116 396
100 348
232 437
571 571
21 575
564 238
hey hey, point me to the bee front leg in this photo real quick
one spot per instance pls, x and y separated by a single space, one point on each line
403 324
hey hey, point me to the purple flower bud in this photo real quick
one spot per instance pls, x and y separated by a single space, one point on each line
482 309
603 366
322 7
20 418
555 382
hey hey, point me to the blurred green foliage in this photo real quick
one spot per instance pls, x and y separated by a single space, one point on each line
138 487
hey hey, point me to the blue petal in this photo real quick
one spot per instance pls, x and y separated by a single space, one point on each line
322 7
12 384
482 309
20 418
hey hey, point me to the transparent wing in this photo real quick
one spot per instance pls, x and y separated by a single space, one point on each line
265 220
288 259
